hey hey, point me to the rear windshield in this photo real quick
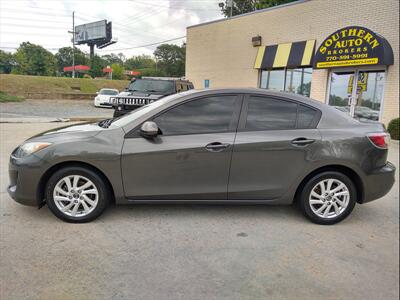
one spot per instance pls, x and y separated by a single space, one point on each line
158 87
108 92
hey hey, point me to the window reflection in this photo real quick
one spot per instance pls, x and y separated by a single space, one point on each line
212 114
270 114
296 81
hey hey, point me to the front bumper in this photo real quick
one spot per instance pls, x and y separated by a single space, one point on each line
379 182
24 174
122 109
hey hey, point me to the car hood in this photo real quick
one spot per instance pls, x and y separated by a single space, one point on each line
72 131
139 95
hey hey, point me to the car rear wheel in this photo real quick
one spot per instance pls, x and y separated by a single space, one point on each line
76 194
328 198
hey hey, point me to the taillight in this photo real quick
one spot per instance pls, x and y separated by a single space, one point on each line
379 139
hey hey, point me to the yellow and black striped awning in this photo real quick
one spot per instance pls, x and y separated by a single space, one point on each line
288 55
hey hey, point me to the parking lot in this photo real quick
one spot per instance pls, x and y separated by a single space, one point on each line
52 109
195 251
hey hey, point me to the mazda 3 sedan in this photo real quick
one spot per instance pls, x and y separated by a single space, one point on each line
247 146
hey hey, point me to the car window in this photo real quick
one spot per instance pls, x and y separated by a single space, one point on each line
210 114
108 92
305 117
265 113
158 87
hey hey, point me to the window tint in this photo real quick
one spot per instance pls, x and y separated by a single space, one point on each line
305 116
270 114
211 114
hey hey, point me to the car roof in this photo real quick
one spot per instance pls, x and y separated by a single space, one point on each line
330 114
258 91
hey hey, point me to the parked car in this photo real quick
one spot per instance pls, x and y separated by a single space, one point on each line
103 97
147 90
362 113
212 146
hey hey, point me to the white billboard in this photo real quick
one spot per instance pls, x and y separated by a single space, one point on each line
90 31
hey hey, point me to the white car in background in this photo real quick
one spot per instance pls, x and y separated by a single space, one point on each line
103 97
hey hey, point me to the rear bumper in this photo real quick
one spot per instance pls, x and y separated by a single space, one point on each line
379 182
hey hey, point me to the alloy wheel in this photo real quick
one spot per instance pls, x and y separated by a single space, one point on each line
75 195
329 198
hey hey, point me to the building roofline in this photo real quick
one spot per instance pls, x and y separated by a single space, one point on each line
250 13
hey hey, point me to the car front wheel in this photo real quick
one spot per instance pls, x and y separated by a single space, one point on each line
76 194
328 198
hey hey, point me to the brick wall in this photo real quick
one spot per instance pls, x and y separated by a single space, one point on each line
222 51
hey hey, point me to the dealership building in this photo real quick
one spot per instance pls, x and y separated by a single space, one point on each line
311 47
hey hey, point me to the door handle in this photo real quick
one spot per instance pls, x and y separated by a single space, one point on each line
302 141
216 147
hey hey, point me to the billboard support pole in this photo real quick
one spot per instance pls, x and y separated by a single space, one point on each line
91 55
73 44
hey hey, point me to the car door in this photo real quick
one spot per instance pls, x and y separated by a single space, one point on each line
190 160
275 141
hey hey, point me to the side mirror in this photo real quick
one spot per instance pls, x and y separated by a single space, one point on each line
149 129
97 93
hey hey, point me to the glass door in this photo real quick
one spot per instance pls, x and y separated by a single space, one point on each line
362 98
369 94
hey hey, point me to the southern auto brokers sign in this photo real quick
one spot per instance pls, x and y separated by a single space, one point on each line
353 46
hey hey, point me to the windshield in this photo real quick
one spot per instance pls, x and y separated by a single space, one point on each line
158 87
108 92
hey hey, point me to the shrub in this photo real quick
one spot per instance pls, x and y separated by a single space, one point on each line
394 128
4 97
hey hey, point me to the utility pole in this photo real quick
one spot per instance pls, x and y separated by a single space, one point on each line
230 5
73 44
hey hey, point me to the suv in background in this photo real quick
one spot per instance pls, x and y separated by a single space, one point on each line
146 90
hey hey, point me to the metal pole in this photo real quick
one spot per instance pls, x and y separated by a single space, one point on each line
73 44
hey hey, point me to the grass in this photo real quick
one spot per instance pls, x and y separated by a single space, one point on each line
4 97
19 85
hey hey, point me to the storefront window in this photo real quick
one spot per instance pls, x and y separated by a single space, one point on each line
296 81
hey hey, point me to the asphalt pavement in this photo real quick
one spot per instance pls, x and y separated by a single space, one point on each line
52 109
195 251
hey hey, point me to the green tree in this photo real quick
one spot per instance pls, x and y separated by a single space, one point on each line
140 62
64 58
244 6
118 71
113 59
171 59
96 66
33 59
7 62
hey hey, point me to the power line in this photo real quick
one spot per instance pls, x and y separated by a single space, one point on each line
147 45
176 8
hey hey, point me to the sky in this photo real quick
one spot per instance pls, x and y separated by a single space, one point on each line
135 22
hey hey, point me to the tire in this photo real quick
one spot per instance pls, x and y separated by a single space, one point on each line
90 194
338 203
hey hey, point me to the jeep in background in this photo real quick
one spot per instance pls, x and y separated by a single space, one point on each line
146 90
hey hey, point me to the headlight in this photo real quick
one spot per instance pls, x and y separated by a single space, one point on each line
29 148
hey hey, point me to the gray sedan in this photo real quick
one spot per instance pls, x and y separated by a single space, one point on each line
247 146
